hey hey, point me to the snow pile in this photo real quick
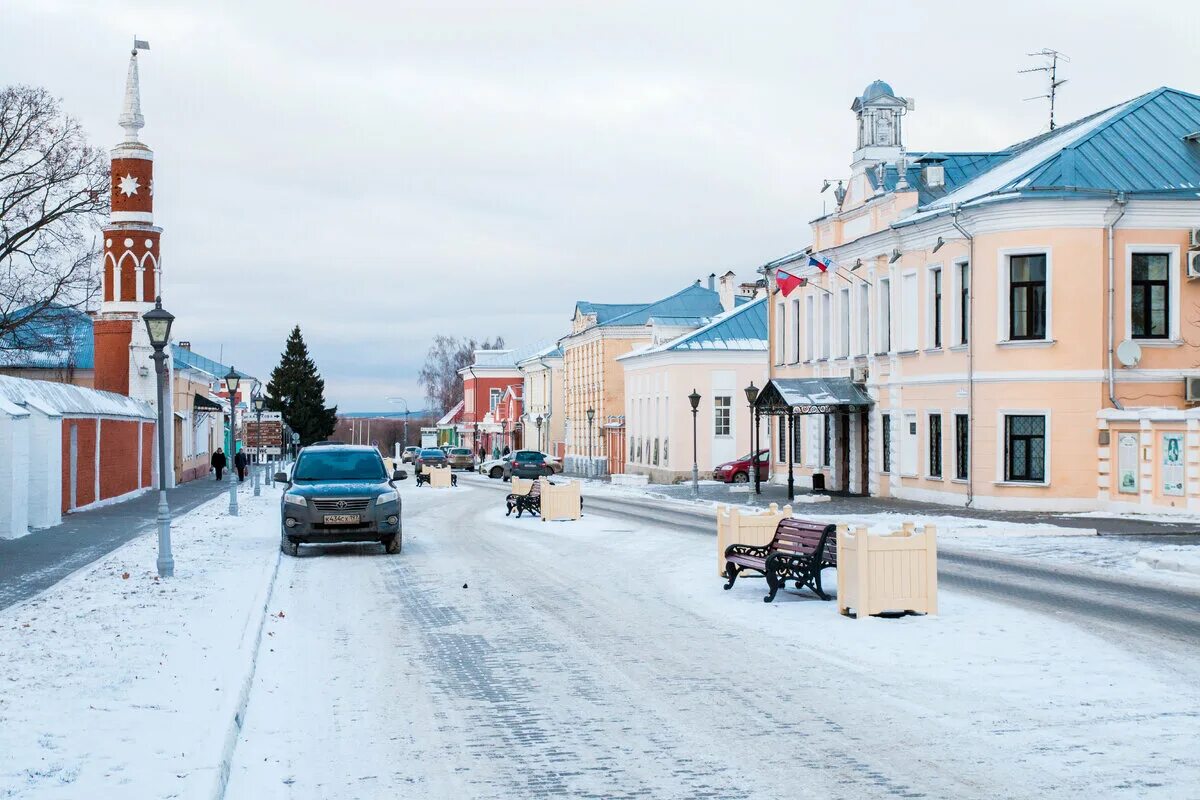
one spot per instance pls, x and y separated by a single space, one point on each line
1180 559
127 686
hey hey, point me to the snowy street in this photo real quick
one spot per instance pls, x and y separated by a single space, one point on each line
603 659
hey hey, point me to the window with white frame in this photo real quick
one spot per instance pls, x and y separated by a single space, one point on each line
1150 290
1027 297
826 323
722 410
935 307
962 319
885 315
864 319
795 330
809 321
493 399
962 444
844 323
780 331
908 315
1025 448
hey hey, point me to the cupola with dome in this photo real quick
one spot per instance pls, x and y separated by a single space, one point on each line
880 135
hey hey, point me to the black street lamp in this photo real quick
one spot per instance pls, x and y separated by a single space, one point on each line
694 399
231 383
591 416
752 398
158 326
258 402
539 430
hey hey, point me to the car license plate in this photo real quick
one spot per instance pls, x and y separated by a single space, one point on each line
342 519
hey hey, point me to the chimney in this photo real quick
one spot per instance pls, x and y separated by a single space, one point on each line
727 293
712 281
185 346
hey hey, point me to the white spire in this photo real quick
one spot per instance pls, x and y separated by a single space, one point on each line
131 118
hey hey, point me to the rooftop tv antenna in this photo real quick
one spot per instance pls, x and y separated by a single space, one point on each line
1051 69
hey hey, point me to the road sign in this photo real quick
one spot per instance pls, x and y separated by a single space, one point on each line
295 438
263 434
374 443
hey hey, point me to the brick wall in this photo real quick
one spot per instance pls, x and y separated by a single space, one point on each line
119 467
85 482
112 338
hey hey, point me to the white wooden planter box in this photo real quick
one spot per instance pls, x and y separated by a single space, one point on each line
561 501
896 572
735 526
439 477
521 485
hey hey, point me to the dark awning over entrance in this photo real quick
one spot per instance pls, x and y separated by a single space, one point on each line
811 396
202 405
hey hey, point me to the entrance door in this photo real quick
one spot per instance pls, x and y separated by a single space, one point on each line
843 438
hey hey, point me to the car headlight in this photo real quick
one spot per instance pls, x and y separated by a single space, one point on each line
387 497
295 499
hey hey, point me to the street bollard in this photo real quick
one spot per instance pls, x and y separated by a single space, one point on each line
254 477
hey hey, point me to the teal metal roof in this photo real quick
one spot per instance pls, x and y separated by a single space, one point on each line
187 358
695 302
58 338
744 328
606 311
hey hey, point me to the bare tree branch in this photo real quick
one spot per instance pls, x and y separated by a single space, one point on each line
446 356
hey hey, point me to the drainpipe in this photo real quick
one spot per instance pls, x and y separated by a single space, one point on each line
970 356
1112 288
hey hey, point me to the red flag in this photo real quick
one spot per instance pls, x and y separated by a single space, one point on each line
787 282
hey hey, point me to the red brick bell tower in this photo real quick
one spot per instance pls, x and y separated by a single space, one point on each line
132 264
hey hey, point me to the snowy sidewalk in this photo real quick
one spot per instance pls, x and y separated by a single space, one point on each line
117 684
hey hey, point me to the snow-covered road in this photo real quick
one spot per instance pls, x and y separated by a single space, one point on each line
514 658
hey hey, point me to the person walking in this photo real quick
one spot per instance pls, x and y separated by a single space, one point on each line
219 462
240 461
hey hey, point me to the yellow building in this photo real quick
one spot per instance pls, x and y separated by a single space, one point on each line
1012 329
593 380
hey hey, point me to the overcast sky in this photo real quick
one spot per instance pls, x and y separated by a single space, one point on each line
380 172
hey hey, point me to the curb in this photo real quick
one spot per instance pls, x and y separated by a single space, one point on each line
252 642
1161 561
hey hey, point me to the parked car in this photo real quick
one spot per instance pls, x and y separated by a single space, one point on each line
461 458
738 470
430 457
409 453
495 467
529 464
339 494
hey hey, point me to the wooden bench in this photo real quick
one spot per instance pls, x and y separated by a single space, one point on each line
530 499
424 476
799 551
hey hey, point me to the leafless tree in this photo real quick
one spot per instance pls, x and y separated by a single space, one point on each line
54 194
446 356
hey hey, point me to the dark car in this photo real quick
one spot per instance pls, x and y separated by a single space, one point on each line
738 470
430 457
460 458
528 464
340 494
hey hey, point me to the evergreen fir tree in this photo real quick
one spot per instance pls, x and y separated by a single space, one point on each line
297 390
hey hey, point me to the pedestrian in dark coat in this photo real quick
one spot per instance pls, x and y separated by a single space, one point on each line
240 461
219 462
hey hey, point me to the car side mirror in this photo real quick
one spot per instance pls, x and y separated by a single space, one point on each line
281 477
399 475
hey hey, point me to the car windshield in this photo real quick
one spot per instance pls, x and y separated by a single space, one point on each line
339 465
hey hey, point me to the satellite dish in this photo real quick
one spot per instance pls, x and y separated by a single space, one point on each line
1129 353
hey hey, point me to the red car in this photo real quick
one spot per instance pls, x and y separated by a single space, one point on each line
738 471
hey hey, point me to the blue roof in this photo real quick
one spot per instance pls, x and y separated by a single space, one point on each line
744 328
188 358
877 88
606 311
959 168
58 338
694 303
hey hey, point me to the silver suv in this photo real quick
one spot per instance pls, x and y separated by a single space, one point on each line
340 494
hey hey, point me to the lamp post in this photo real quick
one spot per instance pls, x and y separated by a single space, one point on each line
591 417
751 398
694 399
158 325
405 402
231 383
259 400
539 430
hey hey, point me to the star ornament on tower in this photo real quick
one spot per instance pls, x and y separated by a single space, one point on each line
129 185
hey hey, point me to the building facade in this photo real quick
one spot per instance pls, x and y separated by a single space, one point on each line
1022 321
717 361
542 391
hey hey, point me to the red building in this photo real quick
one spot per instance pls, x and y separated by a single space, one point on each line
485 383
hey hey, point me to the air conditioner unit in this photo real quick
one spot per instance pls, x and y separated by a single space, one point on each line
1194 238
1191 390
858 374
935 176
1193 264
